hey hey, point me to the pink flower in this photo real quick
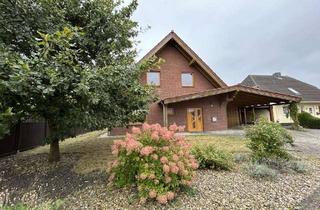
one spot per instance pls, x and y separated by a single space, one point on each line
155 135
180 165
175 158
181 128
174 169
194 165
156 127
152 194
135 130
154 156
164 160
146 127
168 179
162 199
165 149
170 195
173 127
168 135
166 168
156 181
145 151
132 144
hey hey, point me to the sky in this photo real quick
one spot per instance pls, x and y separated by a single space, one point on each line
240 37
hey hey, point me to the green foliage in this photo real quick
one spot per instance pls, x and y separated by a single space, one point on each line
293 110
209 157
261 171
6 116
308 121
267 140
72 63
154 160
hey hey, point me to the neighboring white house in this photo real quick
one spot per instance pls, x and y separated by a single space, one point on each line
287 85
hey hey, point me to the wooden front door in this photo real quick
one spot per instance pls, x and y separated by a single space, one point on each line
194 117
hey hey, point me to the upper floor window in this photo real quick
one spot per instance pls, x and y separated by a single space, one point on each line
187 80
153 78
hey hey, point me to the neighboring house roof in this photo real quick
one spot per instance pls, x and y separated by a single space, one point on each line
236 88
283 84
190 54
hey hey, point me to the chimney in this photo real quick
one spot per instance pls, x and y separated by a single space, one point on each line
277 74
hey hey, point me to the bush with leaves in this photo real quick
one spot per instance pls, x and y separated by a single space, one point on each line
208 156
257 170
267 140
155 160
308 121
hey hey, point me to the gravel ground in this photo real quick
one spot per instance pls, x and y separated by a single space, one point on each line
31 180
39 183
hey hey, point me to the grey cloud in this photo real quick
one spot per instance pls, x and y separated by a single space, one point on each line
241 37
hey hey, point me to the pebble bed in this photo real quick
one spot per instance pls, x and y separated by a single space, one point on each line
212 189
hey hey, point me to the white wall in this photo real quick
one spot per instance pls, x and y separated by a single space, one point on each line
281 117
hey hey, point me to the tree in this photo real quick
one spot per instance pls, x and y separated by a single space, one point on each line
80 76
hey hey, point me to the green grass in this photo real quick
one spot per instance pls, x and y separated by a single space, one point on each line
94 153
230 144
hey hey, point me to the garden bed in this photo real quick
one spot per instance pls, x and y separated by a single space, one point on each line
74 183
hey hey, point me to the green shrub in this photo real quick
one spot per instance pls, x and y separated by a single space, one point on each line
308 121
284 166
155 160
261 171
297 166
210 157
267 140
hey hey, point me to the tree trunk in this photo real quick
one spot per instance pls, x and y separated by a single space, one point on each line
54 155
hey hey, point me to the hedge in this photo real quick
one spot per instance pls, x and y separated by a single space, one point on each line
308 121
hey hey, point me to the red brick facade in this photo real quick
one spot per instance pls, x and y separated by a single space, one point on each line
176 63
214 106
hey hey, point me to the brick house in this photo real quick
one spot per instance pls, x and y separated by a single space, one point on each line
191 94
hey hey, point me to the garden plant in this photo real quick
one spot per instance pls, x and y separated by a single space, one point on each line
155 160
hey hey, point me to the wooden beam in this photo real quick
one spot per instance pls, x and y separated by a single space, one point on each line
245 115
191 62
254 114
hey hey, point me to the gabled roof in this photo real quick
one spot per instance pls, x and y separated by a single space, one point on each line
283 84
194 58
236 88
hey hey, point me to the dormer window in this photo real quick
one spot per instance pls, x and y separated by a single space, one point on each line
153 78
294 91
187 80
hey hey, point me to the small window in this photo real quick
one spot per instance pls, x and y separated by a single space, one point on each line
310 110
286 111
187 79
153 78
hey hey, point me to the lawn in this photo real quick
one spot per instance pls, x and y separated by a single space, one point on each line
94 152
231 144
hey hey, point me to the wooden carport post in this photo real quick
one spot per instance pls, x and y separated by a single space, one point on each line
254 115
245 115
271 113
165 114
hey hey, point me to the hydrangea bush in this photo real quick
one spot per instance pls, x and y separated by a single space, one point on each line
155 160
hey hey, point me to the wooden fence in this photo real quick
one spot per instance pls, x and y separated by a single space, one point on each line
27 135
